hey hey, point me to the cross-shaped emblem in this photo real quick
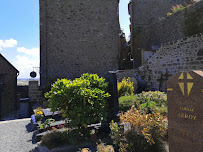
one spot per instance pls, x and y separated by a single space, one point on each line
185 81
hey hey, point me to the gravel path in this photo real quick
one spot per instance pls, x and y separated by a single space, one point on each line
17 136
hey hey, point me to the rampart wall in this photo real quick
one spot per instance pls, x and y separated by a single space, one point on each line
182 55
179 25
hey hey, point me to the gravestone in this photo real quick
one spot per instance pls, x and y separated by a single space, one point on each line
185 111
113 105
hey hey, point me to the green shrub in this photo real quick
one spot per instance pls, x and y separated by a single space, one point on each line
145 133
55 139
116 132
125 87
47 123
126 102
152 102
82 100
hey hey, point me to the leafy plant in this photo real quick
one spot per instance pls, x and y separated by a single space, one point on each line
177 8
125 87
151 102
82 100
146 132
47 123
116 133
55 139
126 102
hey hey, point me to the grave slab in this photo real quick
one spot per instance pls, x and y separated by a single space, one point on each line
185 112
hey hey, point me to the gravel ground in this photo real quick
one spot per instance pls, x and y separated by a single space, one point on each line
17 136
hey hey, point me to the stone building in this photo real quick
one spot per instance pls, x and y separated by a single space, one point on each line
124 54
179 40
8 86
78 36
144 13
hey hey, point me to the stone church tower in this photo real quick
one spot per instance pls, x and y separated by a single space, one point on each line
78 36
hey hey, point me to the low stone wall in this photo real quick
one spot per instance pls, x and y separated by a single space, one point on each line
22 91
182 55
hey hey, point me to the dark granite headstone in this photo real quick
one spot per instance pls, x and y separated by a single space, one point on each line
113 105
185 111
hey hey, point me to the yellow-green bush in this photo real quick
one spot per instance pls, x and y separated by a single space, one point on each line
82 100
125 87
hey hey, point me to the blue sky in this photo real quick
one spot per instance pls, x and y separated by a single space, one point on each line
19 32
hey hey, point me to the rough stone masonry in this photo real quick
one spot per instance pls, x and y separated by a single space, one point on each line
78 36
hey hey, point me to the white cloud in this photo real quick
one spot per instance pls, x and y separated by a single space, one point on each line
8 43
25 65
33 51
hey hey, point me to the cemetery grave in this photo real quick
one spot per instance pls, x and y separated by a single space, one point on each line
185 112
184 96
48 123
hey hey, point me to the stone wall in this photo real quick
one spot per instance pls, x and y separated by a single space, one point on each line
173 27
150 33
78 37
22 91
182 55
145 12
8 85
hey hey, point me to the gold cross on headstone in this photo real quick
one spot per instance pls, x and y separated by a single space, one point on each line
186 82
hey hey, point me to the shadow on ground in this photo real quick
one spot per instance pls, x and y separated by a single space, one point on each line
29 128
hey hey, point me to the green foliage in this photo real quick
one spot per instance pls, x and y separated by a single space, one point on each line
177 8
55 139
145 132
125 87
63 137
116 133
81 100
47 123
151 102
126 102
